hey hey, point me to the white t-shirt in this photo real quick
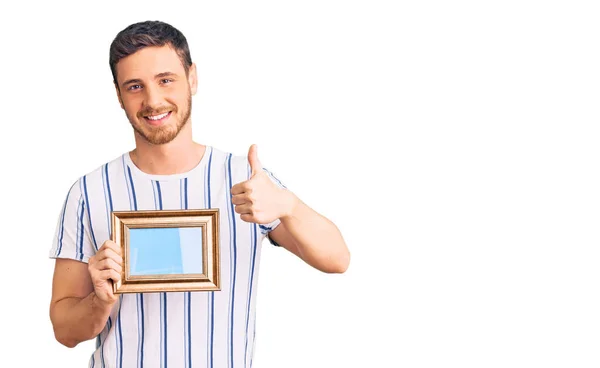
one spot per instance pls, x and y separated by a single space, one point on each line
174 329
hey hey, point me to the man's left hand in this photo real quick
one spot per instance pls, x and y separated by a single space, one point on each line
258 199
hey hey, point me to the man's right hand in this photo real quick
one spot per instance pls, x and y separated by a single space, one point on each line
104 266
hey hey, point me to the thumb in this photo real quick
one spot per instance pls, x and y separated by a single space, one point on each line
255 164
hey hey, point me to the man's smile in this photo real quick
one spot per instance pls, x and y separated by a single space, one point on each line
157 119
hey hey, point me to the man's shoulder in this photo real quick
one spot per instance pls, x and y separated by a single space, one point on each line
231 167
98 171
115 163
227 157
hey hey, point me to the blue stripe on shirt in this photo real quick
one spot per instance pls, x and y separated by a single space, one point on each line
160 205
80 227
233 244
140 296
109 209
188 295
253 261
61 232
120 337
87 201
211 295
164 295
132 188
163 304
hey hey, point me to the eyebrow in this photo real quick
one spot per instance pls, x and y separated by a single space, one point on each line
159 75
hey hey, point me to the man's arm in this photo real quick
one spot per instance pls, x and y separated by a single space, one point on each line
302 231
82 296
311 236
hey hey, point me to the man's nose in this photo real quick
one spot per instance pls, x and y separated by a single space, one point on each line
153 98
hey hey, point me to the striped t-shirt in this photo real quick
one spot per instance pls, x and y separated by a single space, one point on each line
173 329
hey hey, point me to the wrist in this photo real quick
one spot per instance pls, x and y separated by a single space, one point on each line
100 313
290 203
101 304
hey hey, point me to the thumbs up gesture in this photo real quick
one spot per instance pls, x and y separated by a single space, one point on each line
255 165
258 199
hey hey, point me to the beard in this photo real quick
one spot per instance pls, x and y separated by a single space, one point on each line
165 133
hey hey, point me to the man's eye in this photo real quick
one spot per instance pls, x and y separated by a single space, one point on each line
134 87
164 81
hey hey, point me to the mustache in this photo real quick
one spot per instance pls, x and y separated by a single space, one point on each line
155 111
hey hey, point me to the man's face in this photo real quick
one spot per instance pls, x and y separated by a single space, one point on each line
155 92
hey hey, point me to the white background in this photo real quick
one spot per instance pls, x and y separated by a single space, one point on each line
455 144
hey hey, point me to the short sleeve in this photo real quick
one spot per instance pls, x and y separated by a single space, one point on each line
72 236
265 229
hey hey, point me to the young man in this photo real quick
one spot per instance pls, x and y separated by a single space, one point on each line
155 79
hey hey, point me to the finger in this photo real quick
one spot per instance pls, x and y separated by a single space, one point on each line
248 218
109 275
255 164
241 199
240 188
98 261
244 209
108 264
110 254
109 244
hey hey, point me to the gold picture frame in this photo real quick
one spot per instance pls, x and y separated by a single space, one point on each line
154 234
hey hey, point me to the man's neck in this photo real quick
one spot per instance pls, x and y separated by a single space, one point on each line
180 155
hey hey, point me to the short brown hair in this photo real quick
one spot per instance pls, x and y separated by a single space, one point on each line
145 34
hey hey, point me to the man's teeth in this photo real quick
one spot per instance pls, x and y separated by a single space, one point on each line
158 117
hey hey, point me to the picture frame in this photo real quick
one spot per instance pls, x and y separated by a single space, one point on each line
167 250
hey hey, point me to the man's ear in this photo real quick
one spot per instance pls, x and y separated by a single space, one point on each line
119 96
193 79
